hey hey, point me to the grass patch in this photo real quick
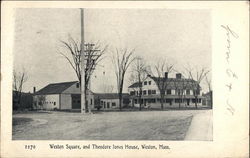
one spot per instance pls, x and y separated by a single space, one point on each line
146 125
20 121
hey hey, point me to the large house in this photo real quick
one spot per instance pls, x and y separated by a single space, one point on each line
67 96
177 91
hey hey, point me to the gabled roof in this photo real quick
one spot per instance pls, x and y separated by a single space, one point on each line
177 83
109 95
172 83
135 85
55 88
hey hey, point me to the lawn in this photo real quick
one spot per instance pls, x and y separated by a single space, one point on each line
145 125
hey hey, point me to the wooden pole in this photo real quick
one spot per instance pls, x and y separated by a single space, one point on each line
83 101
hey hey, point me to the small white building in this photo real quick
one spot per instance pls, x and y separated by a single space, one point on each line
109 101
61 96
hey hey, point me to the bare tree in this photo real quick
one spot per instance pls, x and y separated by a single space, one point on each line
93 55
19 78
40 101
161 68
210 91
198 75
121 59
139 75
180 86
178 89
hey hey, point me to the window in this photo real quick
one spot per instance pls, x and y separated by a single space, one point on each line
113 104
188 91
178 101
177 92
168 91
153 91
132 93
101 102
145 83
78 101
149 82
77 85
198 92
149 92
193 100
144 92
108 105
152 100
54 103
104 104
168 100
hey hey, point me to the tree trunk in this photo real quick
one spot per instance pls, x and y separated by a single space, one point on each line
140 93
120 100
86 104
162 96
196 102
179 102
140 103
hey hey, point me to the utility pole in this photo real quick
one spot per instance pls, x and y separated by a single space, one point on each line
88 57
83 92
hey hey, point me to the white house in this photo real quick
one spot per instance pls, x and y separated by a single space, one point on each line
109 101
61 96
178 91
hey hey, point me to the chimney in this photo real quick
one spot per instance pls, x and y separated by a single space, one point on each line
166 74
178 75
34 89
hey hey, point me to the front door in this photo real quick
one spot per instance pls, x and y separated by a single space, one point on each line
76 101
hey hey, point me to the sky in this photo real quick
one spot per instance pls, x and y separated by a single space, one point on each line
181 37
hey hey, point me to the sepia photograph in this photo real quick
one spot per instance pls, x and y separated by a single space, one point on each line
112 74
124 79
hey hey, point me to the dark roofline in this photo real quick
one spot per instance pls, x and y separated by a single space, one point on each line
46 90
109 95
63 82
136 84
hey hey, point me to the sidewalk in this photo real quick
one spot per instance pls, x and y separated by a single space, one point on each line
201 127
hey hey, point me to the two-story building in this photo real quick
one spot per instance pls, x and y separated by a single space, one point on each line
177 92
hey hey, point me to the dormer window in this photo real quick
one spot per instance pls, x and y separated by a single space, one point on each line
149 82
145 83
77 85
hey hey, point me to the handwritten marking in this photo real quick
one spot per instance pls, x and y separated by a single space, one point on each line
229 32
229 86
230 108
229 72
